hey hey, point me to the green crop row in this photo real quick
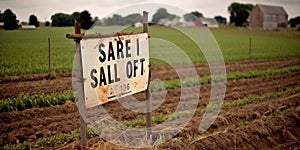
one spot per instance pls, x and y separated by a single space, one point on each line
50 141
194 81
27 101
240 102
157 119
41 100
22 54
251 99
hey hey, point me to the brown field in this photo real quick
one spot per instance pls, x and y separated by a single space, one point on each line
266 124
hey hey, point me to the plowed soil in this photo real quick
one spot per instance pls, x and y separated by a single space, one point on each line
258 125
48 83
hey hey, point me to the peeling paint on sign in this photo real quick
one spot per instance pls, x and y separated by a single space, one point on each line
114 67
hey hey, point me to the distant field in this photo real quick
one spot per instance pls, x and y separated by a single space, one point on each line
26 51
265 44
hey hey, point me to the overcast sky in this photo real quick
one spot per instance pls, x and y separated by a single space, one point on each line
44 9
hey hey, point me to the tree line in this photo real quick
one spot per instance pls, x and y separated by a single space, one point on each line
161 13
84 17
10 20
239 14
59 19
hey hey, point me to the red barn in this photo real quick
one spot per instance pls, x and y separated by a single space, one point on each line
1 25
268 17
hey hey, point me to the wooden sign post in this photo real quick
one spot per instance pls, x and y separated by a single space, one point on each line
83 125
250 46
148 104
111 66
49 58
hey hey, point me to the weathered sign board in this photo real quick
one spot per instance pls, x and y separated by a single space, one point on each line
114 67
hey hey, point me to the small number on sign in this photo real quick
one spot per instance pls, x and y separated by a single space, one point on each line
125 87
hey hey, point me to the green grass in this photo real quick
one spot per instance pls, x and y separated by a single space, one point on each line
26 51
265 44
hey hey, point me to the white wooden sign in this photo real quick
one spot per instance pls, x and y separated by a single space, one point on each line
114 67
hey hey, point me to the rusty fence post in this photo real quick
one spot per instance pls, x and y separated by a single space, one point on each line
250 45
49 47
83 125
148 103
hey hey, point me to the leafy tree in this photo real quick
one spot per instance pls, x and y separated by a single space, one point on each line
47 23
107 21
10 20
193 16
95 19
162 14
33 21
117 20
294 21
76 15
24 23
190 17
239 13
1 17
197 14
132 19
85 20
61 19
221 20
84 17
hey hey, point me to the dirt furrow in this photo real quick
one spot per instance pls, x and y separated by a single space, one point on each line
30 124
277 132
169 73
43 83
257 125
234 90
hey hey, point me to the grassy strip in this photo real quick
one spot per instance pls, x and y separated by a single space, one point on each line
194 81
157 119
35 101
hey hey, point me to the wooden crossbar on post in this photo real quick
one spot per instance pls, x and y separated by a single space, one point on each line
78 37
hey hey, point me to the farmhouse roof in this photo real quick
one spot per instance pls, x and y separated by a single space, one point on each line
28 27
266 9
210 20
